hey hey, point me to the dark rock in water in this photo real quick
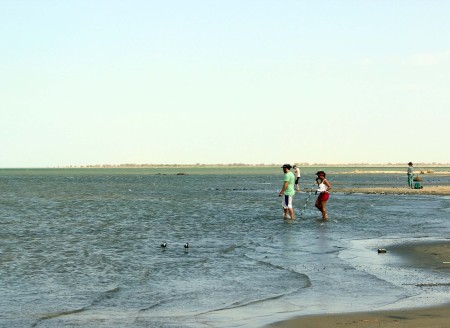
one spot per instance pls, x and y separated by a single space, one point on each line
181 174
381 250
164 245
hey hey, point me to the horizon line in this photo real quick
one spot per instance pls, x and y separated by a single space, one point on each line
300 164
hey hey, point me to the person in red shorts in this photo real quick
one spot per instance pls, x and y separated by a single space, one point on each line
323 190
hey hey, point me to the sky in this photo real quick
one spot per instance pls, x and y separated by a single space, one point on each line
91 82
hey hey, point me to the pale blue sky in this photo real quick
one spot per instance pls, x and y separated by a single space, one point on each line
249 81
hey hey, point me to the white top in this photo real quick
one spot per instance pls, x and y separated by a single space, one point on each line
297 172
322 187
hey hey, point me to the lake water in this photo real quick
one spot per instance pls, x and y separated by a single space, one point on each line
81 247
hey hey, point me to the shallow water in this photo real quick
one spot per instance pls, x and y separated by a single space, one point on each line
81 248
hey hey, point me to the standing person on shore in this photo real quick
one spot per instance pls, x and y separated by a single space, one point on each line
410 175
288 192
297 177
323 188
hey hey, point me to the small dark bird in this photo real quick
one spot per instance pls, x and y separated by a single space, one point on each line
163 245
186 245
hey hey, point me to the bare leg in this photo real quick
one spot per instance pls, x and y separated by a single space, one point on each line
318 204
324 210
291 213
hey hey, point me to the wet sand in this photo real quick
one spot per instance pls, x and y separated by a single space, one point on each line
430 255
434 317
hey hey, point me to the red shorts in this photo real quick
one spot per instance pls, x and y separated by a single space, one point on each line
323 197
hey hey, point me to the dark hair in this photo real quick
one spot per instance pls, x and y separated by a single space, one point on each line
320 173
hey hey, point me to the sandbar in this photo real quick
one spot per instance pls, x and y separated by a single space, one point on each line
427 190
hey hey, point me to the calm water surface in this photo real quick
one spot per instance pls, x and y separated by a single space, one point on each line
81 248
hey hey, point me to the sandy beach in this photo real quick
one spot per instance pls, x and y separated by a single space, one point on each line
433 255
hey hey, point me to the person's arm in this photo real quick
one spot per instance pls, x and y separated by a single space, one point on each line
327 184
285 185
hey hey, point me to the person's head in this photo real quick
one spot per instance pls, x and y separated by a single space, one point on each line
286 167
321 175
410 164
294 167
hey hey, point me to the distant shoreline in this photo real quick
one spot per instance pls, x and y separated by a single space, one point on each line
419 170
354 165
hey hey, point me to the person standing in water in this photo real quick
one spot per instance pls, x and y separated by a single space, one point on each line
288 192
297 177
323 188
410 174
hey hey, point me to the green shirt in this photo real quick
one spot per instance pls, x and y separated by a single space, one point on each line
290 177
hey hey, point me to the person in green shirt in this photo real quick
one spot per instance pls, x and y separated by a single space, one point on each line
288 192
